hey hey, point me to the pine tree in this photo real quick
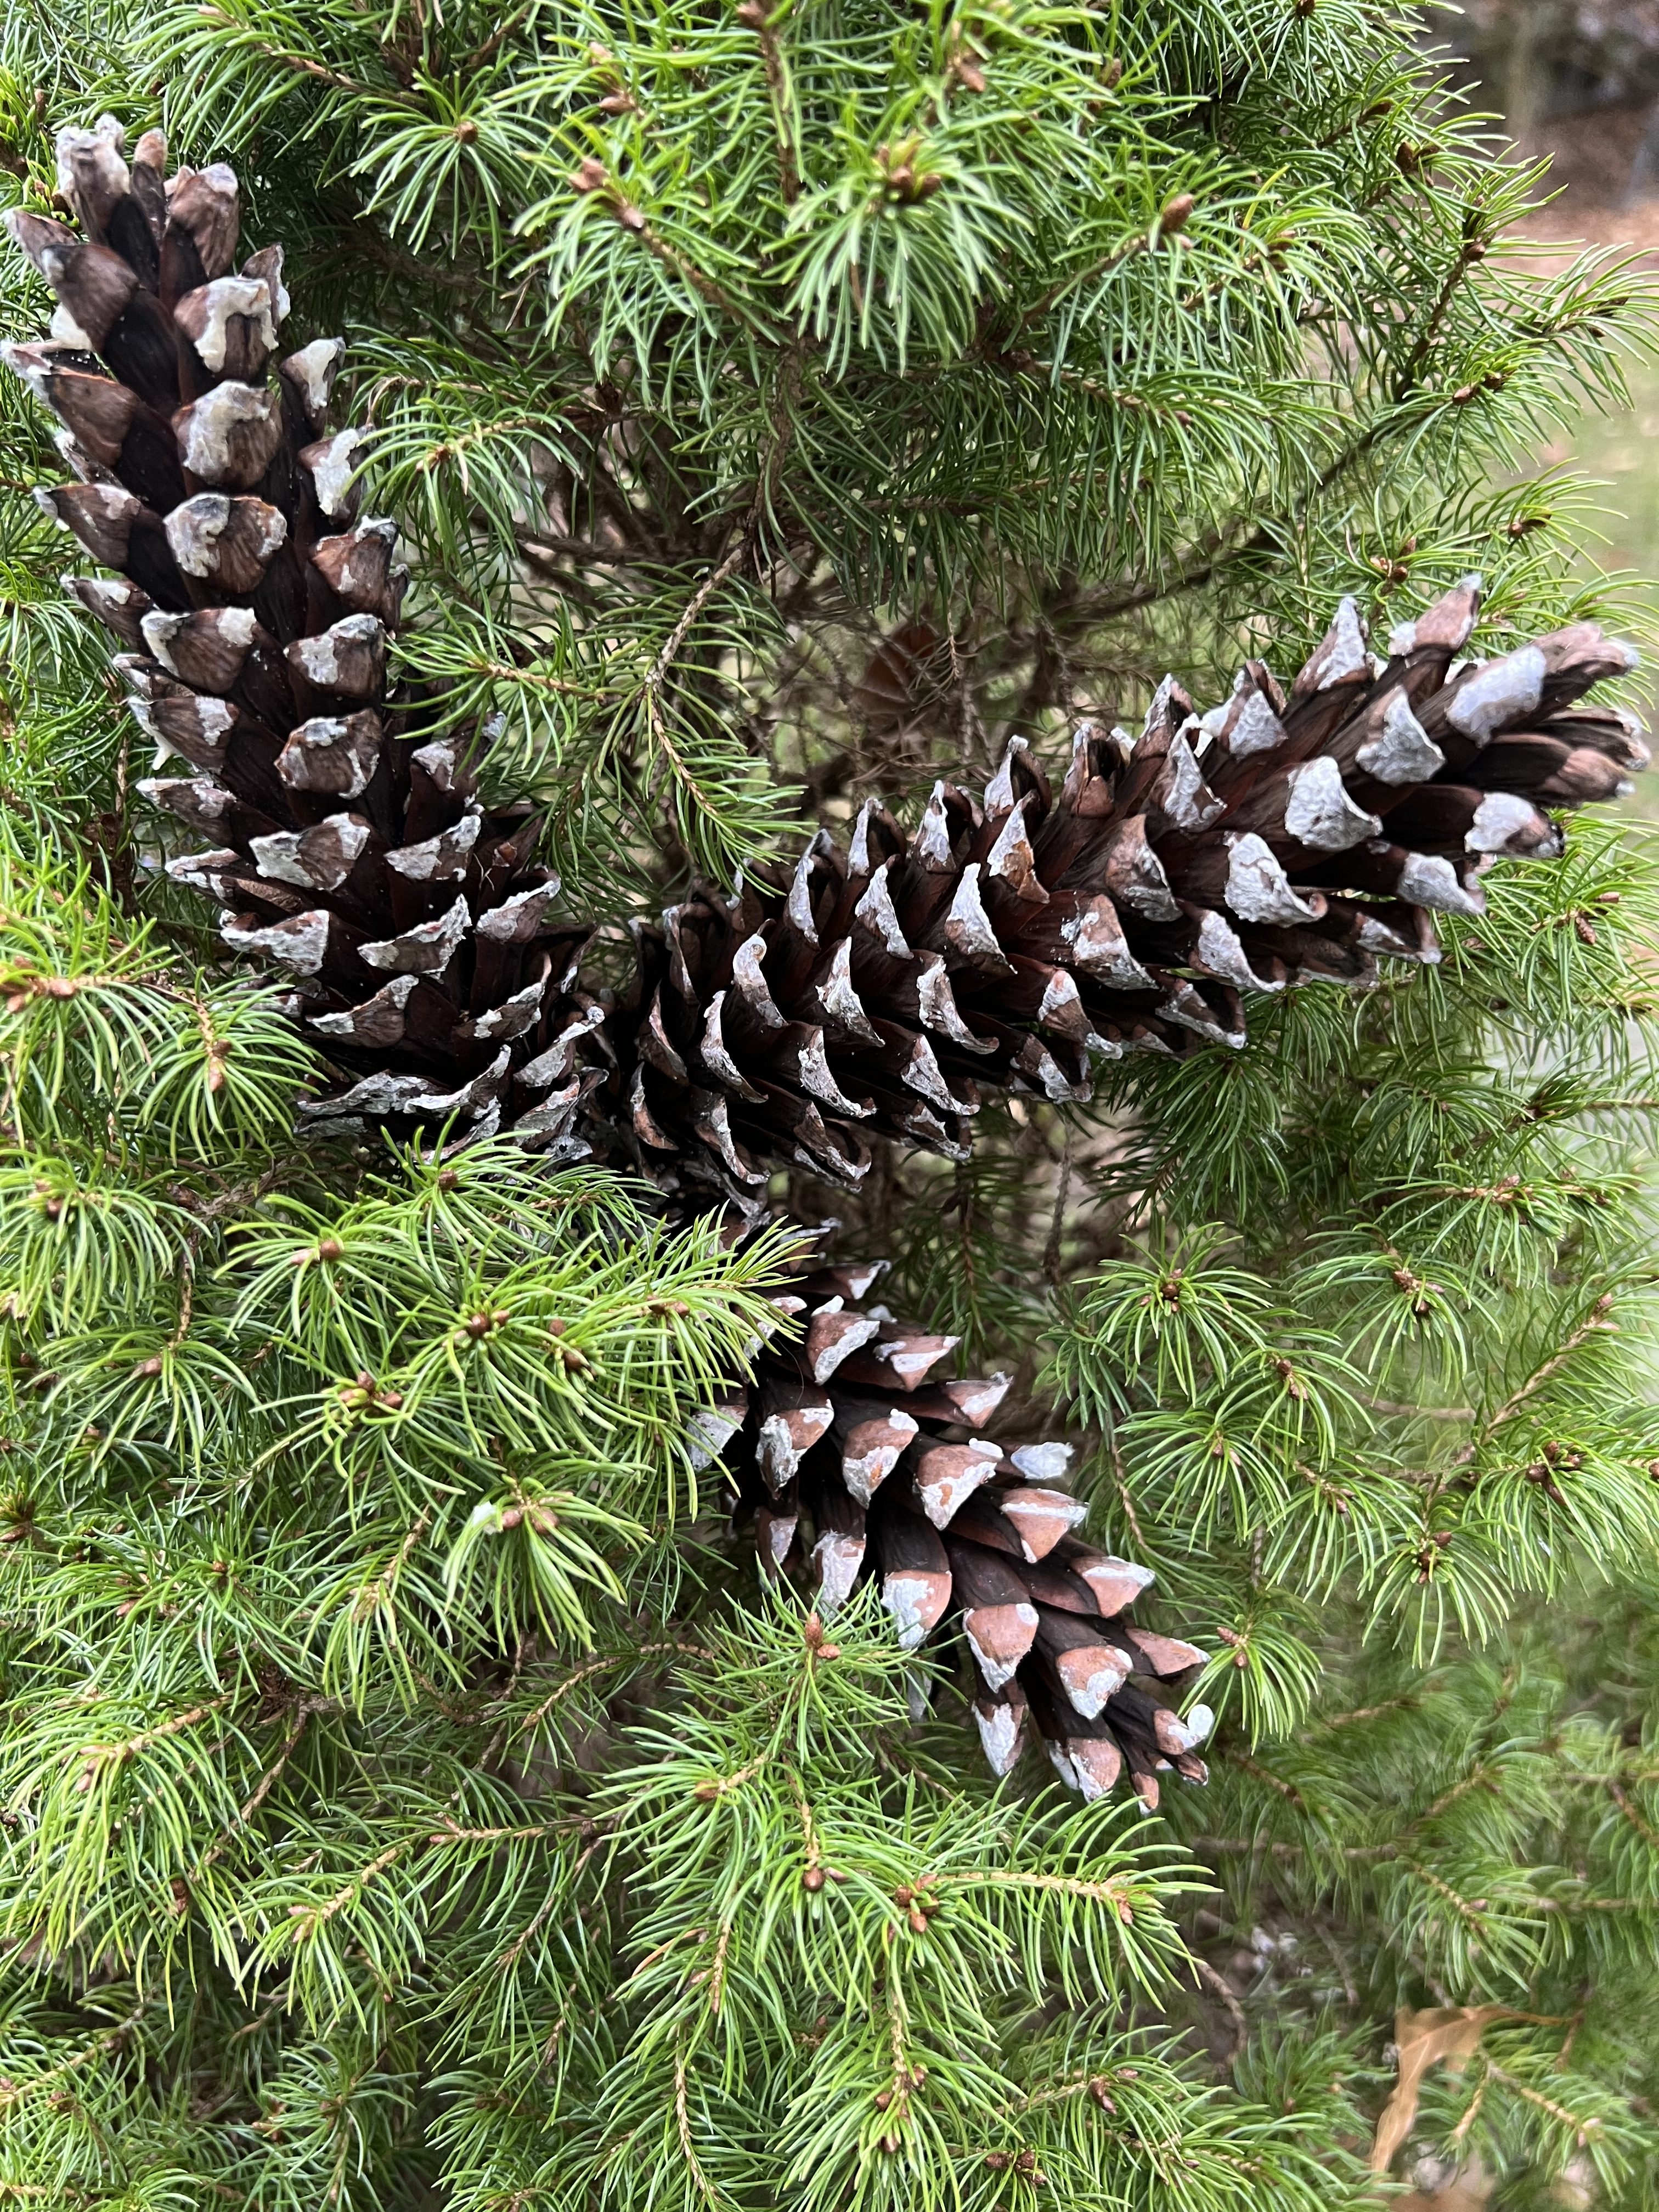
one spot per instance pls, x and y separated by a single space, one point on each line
412 1794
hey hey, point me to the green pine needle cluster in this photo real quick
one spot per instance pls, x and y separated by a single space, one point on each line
408 1797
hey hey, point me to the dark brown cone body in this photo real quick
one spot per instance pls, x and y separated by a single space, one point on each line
256 610
1016 941
853 1457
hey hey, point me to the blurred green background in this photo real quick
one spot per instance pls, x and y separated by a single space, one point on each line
1620 453
1576 81
1623 450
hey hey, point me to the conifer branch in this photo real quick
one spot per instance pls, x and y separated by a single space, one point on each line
382 1476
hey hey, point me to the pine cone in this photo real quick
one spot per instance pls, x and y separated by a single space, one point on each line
850 1457
1277 841
258 609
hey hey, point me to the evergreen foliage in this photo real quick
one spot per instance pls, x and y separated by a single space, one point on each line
407 1796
